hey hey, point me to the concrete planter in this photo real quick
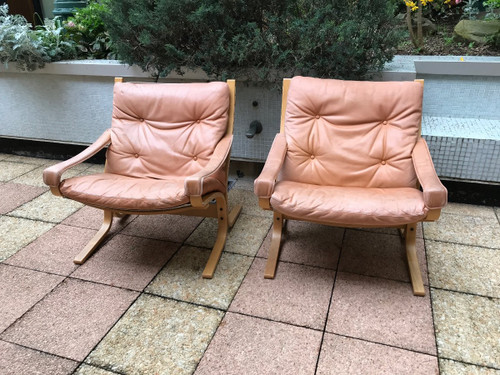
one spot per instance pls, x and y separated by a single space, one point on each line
71 102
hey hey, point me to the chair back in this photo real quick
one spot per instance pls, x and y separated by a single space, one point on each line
166 129
350 133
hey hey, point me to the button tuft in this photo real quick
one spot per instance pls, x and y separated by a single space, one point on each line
317 116
312 156
383 162
195 158
136 155
385 122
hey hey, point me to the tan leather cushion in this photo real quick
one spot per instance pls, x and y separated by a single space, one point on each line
348 133
118 192
349 205
166 129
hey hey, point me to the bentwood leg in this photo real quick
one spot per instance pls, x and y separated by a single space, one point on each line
216 253
96 240
274 249
411 254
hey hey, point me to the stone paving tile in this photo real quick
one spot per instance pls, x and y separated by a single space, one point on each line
467 230
344 355
92 218
70 320
181 278
14 195
249 201
299 294
47 207
464 268
9 171
17 360
21 289
54 251
31 160
307 243
174 228
382 311
3 156
252 346
468 210
449 367
85 369
392 231
17 233
245 183
127 262
244 238
157 336
380 255
467 327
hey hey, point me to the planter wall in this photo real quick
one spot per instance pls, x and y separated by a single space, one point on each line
71 102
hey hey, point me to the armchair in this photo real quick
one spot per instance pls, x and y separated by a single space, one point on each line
350 154
168 153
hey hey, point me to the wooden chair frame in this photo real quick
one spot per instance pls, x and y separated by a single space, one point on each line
408 232
212 205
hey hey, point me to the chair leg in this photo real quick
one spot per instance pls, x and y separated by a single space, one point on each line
233 215
274 249
96 240
216 253
411 254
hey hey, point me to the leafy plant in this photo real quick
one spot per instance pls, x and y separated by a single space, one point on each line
54 42
493 9
87 29
260 40
18 43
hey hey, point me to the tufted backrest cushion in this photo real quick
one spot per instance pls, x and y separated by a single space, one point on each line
166 129
349 133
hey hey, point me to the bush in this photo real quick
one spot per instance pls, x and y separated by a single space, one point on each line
18 43
261 40
54 41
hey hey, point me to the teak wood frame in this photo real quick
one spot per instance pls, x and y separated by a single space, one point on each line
408 231
212 205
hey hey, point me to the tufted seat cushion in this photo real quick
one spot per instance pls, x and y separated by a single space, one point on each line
112 191
352 206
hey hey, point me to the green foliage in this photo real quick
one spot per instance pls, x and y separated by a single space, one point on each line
260 40
18 43
56 45
493 9
86 28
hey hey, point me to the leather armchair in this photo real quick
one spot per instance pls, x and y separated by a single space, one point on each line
168 153
350 154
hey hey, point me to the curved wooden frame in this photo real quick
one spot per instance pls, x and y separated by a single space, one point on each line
212 205
408 231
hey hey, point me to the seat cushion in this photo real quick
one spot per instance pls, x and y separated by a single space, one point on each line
113 191
350 206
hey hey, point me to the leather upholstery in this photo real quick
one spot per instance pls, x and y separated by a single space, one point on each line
349 133
112 191
264 184
162 137
352 206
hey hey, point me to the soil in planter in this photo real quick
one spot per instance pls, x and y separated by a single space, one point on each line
443 43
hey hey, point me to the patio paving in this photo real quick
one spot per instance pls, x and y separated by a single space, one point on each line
341 302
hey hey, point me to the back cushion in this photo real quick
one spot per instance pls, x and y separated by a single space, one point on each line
165 129
349 133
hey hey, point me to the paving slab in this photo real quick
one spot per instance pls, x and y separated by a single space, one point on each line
10 170
468 210
127 262
157 336
253 346
307 243
467 327
467 230
464 268
54 251
17 233
13 195
249 201
70 320
92 218
47 207
181 278
449 367
382 311
298 295
85 369
21 289
174 228
244 238
35 176
18 360
344 355
380 255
